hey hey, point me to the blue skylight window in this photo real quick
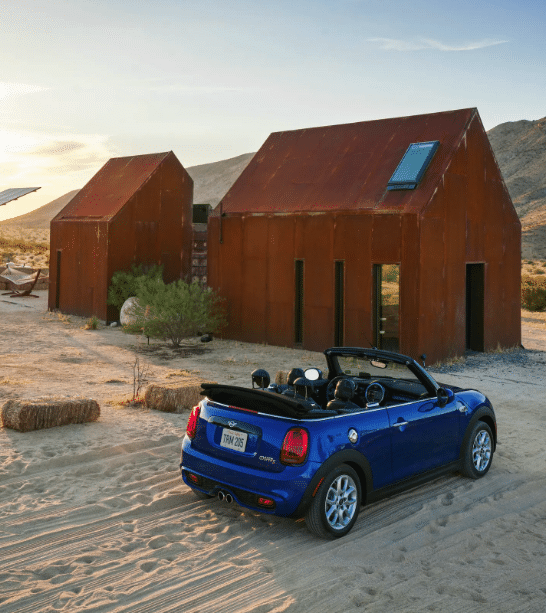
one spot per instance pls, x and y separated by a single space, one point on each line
412 167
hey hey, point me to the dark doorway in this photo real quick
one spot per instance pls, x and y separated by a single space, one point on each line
386 306
339 300
58 281
475 301
298 303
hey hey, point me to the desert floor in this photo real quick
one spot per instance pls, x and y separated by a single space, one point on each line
95 517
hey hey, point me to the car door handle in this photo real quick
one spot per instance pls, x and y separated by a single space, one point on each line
399 424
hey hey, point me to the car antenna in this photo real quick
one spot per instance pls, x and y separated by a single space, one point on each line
423 357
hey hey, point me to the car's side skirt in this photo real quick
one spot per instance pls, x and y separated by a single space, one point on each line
415 481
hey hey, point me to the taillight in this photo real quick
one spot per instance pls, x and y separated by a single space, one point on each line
295 446
191 428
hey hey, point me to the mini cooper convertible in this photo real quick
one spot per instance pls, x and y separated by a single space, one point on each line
320 445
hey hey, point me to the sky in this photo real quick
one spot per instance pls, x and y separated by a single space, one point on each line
82 81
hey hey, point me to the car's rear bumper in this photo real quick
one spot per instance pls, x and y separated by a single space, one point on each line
247 485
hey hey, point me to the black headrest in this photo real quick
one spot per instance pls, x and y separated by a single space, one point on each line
294 374
345 389
261 378
303 386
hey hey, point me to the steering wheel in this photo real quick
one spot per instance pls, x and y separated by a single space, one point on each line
330 389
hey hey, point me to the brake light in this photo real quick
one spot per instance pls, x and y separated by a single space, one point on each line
295 446
191 428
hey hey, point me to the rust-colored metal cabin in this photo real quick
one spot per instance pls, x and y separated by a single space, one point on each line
311 249
135 210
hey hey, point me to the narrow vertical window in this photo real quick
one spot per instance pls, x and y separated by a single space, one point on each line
298 303
386 306
339 299
58 281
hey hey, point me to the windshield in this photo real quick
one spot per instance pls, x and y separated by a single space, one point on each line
364 368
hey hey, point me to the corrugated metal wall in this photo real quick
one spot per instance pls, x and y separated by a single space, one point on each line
154 226
469 219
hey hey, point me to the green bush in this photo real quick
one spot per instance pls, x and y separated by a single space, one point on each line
175 311
124 283
533 293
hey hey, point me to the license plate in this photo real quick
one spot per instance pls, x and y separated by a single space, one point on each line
233 439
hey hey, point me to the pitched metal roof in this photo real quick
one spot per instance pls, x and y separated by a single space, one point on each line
112 187
345 167
15 192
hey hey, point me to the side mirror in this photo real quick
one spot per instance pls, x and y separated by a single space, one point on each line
444 396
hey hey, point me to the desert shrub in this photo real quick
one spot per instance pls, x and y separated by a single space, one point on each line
92 323
124 283
533 293
175 311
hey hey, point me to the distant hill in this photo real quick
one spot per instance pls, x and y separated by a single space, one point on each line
39 219
210 183
520 149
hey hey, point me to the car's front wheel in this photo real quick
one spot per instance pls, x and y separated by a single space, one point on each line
334 509
478 453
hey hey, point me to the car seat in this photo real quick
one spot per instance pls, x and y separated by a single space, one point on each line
343 397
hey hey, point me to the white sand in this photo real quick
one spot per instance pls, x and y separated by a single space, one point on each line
95 517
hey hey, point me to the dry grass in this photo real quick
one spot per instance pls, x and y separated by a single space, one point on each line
25 247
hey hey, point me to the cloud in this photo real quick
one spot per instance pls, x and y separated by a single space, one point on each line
10 90
58 148
394 44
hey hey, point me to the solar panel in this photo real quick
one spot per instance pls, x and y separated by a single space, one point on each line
15 192
412 167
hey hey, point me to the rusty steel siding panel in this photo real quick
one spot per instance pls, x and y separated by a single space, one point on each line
410 275
280 281
230 277
386 239
318 308
343 167
254 278
352 245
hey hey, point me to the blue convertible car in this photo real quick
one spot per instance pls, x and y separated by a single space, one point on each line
321 445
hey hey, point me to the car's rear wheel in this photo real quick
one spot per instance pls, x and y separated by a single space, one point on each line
334 509
478 453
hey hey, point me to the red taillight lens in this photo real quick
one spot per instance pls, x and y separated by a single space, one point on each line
191 428
268 503
295 446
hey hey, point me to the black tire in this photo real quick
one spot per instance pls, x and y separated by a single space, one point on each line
478 453
334 509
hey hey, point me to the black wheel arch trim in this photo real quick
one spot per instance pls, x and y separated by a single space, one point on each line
351 457
486 415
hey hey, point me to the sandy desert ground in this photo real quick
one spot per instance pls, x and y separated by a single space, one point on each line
95 518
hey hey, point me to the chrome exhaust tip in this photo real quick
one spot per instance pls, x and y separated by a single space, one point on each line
220 495
228 498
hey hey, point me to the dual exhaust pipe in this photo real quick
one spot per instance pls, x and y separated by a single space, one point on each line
225 496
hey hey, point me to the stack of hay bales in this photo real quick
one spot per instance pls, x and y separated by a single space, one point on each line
26 415
175 397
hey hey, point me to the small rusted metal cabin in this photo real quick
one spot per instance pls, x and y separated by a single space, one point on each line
135 210
397 233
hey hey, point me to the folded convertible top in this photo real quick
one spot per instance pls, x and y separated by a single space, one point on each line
255 400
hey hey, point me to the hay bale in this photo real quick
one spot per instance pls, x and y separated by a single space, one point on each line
26 415
174 397
281 378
